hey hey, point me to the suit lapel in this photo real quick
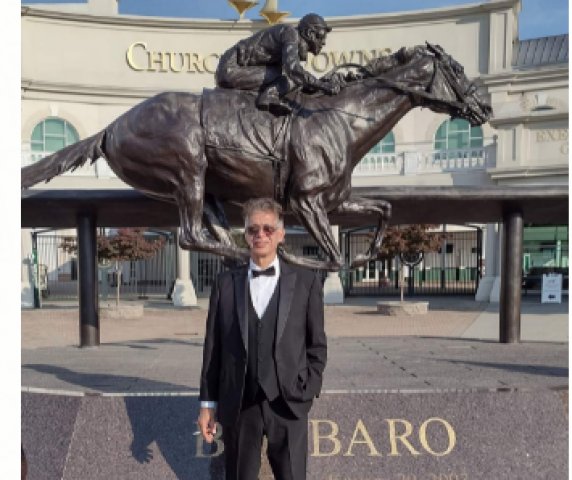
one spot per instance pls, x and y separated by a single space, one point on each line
240 278
287 285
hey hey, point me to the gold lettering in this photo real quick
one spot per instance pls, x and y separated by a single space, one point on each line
130 60
195 61
219 444
172 62
163 61
554 135
393 437
206 62
450 434
372 450
332 437
315 64
308 61
345 57
367 57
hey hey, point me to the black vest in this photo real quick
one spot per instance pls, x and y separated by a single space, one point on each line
261 368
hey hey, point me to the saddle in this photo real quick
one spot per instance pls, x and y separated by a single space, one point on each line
231 121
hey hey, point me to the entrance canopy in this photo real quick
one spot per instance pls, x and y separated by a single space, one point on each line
540 205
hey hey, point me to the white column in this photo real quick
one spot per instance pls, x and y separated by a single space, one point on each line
184 291
495 292
27 286
491 253
333 289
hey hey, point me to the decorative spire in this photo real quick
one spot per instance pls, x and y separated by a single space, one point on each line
271 14
242 6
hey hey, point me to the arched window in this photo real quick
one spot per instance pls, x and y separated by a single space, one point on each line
387 145
53 134
458 134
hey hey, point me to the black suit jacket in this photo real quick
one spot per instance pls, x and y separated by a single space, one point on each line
300 347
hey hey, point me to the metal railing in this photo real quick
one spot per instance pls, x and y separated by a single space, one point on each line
380 164
432 161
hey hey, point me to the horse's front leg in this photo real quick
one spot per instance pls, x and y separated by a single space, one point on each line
313 216
366 206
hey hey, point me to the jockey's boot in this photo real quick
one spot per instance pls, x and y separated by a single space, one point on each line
268 100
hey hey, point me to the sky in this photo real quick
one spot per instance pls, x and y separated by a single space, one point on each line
538 18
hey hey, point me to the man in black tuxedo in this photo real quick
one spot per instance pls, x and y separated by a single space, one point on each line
264 355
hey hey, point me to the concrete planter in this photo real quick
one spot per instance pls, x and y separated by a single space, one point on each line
125 311
405 308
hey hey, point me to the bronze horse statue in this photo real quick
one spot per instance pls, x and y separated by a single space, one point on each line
201 151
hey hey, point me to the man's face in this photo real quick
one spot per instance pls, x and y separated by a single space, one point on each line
262 234
317 41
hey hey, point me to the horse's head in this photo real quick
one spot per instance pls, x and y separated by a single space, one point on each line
434 79
453 92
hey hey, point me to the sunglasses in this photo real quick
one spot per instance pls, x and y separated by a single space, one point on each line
268 230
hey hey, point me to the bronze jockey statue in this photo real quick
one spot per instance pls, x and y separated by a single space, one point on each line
269 62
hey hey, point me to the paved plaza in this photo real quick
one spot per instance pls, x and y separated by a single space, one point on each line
454 346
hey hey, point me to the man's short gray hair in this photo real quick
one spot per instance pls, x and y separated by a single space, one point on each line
262 205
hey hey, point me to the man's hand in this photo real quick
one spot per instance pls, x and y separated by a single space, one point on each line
207 423
329 88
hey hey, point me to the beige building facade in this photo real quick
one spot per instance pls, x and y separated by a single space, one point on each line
83 65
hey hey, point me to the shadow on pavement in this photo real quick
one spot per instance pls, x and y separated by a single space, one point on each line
94 380
172 431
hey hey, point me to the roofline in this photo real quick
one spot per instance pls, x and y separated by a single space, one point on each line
249 25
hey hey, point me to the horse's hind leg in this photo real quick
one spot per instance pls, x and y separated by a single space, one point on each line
217 224
189 198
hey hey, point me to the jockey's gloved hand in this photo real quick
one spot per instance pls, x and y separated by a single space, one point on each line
352 76
329 88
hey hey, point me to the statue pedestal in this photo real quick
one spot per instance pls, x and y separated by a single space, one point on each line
184 294
333 290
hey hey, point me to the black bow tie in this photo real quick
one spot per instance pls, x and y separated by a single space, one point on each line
269 272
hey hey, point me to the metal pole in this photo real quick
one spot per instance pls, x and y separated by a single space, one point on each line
88 280
511 277
36 272
444 260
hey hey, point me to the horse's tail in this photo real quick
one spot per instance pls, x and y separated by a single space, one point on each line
68 158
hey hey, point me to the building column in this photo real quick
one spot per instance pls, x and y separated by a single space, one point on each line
333 289
184 292
511 273
88 280
26 280
491 253
499 254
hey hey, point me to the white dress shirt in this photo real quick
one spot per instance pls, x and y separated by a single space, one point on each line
261 290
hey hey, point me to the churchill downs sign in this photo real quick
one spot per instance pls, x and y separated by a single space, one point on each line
142 59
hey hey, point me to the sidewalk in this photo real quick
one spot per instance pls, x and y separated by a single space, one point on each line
454 346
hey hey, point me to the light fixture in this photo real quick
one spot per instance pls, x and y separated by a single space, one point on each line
541 103
270 12
241 6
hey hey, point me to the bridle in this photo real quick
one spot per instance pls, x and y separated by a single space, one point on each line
444 63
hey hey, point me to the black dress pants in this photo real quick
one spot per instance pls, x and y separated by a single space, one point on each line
287 438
